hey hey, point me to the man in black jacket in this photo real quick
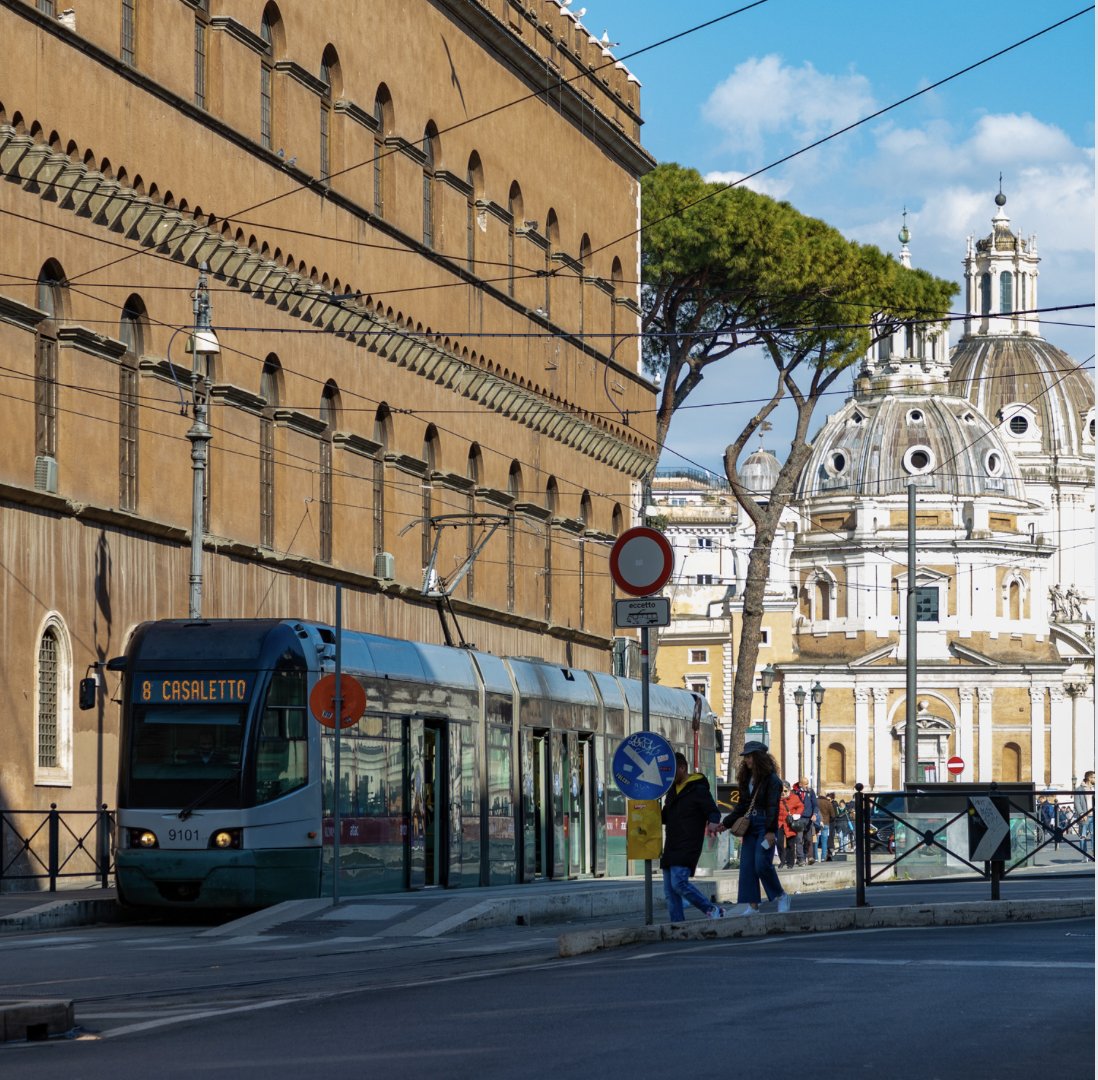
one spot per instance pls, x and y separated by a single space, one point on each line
689 815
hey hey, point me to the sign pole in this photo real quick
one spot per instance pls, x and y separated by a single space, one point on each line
337 734
646 726
911 726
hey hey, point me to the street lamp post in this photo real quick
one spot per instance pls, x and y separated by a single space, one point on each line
766 681
202 345
798 696
818 700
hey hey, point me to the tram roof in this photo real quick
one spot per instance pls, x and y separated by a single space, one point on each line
559 684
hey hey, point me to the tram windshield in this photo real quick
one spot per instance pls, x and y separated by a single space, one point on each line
187 743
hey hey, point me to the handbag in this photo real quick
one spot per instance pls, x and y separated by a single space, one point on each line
740 826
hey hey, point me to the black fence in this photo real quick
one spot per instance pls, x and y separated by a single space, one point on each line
925 834
41 845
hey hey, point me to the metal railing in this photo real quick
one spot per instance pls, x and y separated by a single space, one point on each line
38 845
895 830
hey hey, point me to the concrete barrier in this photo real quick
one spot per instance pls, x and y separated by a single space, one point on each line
61 913
34 1020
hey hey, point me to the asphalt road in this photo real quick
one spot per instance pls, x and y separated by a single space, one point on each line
991 1002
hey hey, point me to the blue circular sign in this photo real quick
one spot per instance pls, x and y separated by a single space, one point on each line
644 765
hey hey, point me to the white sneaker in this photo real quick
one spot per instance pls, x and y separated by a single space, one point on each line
716 912
748 910
785 901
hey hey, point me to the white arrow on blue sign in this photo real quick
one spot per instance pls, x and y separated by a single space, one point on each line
993 815
644 765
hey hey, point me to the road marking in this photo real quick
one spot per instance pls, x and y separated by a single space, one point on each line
1041 965
150 1025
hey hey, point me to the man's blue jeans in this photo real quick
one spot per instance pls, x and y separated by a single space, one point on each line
678 887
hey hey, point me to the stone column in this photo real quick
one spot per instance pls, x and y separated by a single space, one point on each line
861 736
882 741
987 762
965 740
1037 735
1060 763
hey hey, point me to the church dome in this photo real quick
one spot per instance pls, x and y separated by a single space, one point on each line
1042 399
760 472
901 429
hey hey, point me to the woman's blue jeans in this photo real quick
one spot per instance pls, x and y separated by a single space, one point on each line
678 887
757 864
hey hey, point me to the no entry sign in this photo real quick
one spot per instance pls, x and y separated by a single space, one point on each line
641 561
955 765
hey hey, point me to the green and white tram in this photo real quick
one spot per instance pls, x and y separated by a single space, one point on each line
465 769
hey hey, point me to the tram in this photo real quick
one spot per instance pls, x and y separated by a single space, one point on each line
465 769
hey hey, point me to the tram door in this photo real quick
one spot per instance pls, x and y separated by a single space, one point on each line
581 825
538 805
426 777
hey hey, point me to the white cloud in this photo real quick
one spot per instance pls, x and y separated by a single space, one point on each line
763 96
766 184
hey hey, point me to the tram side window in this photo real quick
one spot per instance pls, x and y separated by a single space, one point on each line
282 761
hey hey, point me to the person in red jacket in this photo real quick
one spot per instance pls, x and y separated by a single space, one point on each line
789 809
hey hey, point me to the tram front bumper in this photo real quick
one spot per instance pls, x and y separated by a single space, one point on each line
216 879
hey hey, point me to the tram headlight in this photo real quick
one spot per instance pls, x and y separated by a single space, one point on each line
225 839
143 838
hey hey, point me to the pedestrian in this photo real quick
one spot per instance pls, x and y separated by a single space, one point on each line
843 827
689 816
827 816
1084 812
760 797
789 810
804 841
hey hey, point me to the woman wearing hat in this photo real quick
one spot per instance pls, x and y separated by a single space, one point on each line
760 796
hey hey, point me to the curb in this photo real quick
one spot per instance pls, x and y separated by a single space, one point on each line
34 1020
973 913
62 913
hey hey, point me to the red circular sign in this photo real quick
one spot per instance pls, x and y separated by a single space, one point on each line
351 706
641 561
955 765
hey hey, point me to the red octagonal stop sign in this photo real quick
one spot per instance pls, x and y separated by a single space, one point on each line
641 561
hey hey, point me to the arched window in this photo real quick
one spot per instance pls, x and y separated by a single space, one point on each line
1010 763
821 599
1015 600
835 764
552 237
585 521
268 390
552 500
131 333
1006 292
585 262
329 74
617 279
201 29
430 156
985 294
514 490
270 30
383 120
431 455
514 210
329 415
383 435
474 471
617 519
474 177
53 706
51 300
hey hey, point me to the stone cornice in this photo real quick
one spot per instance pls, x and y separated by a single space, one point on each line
237 396
300 422
295 71
23 315
357 444
91 342
238 31
407 463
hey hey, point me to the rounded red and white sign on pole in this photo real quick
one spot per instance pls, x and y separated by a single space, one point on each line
641 561
955 765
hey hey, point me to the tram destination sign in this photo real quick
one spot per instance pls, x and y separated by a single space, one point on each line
644 765
227 688
642 611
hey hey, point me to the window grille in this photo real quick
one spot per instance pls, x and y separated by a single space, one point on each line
129 19
48 757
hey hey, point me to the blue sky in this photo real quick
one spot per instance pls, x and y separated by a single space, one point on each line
762 84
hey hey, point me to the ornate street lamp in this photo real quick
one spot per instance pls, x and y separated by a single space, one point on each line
817 700
766 681
798 696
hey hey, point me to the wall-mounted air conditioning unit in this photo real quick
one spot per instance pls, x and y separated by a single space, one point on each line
384 566
45 473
